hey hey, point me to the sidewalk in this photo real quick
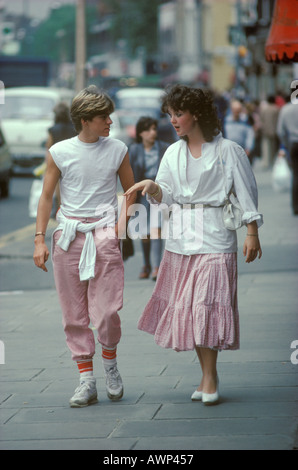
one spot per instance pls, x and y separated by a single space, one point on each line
258 383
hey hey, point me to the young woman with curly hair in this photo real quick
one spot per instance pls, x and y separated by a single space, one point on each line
194 302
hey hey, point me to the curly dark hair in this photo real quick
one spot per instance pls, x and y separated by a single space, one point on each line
199 103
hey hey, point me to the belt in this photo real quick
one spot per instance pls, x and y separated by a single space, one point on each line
188 205
85 220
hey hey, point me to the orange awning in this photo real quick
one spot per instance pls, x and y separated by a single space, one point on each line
282 42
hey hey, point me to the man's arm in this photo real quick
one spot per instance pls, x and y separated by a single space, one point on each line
127 180
41 252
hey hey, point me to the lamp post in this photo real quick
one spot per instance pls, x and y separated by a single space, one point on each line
80 45
237 68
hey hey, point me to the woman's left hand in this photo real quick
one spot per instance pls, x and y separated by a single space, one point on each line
252 248
146 186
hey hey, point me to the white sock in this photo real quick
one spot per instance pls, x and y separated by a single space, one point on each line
109 357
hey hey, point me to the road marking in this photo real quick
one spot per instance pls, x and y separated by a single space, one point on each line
12 292
22 233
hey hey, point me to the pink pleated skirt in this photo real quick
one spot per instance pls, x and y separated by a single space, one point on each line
194 302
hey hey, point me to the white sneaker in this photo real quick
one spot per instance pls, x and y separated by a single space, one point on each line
85 394
114 384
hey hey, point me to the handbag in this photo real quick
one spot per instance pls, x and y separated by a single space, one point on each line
281 174
35 193
127 248
232 212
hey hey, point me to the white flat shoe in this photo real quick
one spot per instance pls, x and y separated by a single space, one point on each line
197 395
211 398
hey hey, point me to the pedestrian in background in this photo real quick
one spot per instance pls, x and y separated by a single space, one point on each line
62 129
287 129
269 115
253 117
238 129
194 302
87 262
145 157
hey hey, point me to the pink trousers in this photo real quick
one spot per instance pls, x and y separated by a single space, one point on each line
97 300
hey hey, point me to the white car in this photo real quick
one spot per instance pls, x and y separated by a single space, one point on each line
118 130
135 97
27 114
134 102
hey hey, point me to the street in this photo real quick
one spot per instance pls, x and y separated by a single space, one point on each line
14 209
258 383
16 266
66 53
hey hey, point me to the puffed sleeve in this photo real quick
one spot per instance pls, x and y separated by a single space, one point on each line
246 187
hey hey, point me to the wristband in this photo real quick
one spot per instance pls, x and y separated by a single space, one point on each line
156 192
40 233
252 235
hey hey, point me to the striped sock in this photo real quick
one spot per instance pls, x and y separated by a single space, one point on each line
109 356
85 368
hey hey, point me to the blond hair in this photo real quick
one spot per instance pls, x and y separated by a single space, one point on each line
89 103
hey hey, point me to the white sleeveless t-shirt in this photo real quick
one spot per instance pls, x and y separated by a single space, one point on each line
88 182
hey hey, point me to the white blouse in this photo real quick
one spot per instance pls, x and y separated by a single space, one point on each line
201 230
192 167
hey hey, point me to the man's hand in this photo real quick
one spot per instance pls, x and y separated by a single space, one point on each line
41 255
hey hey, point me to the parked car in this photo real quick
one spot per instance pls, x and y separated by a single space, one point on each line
27 116
132 103
134 97
118 130
129 118
5 166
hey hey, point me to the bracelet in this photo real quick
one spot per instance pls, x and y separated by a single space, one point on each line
156 192
40 233
252 235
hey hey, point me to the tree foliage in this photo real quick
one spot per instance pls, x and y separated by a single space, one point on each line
135 21
53 34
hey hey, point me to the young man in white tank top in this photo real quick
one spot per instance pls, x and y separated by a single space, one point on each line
88 266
